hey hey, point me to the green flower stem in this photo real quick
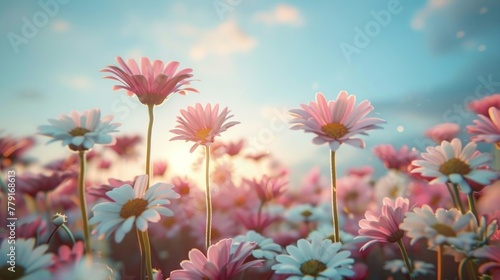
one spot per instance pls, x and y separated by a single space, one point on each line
83 203
335 213
69 233
439 261
47 206
453 195
66 229
406 259
459 201
208 230
472 204
467 269
147 253
148 144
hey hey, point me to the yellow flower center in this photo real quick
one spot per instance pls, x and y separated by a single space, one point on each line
444 230
334 130
454 166
133 207
78 131
306 213
312 268
203 133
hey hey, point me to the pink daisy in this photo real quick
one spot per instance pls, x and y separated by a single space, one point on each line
234 148
125 146
12 150
486 129
153 82
443 132
335 122
450 163
384 228
219 263
492 254
267 188
394 159
482 106
202 125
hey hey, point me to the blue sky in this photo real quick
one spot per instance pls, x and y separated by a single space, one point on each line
416 61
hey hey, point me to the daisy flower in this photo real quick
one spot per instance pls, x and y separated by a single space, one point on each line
304 213
202 125
132 206
395 159
317 259
491 253
153 82
337 121
450 163
267 188
486 129
482 106
12 150
443 132
438 228
384 228
80 131
392 185
125 146
220 262
30 262
265 248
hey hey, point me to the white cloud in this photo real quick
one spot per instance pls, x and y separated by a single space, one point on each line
281 14
61 26
225 39
76 82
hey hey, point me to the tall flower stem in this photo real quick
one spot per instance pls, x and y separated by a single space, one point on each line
457 195
406 259
143 235
148 143
335 212
83 202
439 261
208 230
453 195
472 204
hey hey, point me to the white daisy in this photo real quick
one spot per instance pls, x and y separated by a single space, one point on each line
442 227
318 259
326 231
80 131
265 249
419 267
476 236
304 213
450 163
132 207
392 185
29 263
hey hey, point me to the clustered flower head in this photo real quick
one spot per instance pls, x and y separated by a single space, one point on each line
395 159
202 125
80 131
153 82
337 121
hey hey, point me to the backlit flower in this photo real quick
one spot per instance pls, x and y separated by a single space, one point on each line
337 121
450 163
267 188
438 228
13 149
131 207
481 106
317 259
201 125
30 262
395 159
125 146
153 82
384 228
220 262
486 129
80 131
443 132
